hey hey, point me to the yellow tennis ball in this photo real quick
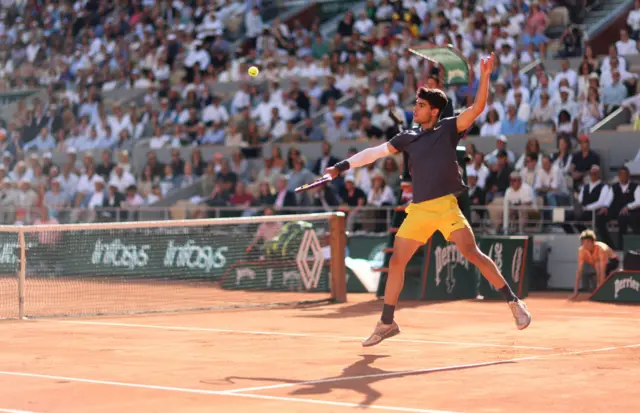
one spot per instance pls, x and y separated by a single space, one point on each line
253 71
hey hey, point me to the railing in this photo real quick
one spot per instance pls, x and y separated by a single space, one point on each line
488 219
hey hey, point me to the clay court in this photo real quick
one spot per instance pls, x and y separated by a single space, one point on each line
461 356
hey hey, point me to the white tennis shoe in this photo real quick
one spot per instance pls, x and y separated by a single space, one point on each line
381 332
520 313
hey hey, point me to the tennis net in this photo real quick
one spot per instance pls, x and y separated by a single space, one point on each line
161 266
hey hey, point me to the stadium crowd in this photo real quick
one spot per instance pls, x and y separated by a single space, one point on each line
311 88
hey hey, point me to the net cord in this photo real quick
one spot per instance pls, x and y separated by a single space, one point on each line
168 224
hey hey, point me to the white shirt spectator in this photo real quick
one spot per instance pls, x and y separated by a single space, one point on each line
86 184
69 183
626 48
215 113
380 198
602 199
524 195
570 75
118 125
633 20
240 100
606 78
364 26
482 173
489 129
123 181
157 142
554 179
253 24
383 99
96 200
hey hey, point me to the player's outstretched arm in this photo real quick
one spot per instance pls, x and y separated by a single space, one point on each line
362 158
466 119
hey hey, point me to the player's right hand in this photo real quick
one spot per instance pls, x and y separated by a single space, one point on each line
333 172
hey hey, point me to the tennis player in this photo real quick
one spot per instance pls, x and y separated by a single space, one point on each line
596 254
436 182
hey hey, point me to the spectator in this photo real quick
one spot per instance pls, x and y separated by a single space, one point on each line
533 146
352 197
626 46
623 202
583 161
612 95
565 125
493 126
266 231
512 125
327 160
519 201
563 159
168 181
501 145
529 172
594 198
284 198
311 132
477 168
265 194
542 115
498 180
299 175
551 184
55 199
111 202
477 195
565 73
227 177
43 142
633 20
241 198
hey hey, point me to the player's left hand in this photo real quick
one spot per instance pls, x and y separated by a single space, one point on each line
486 65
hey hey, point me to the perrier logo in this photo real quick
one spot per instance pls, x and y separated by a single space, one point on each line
447 259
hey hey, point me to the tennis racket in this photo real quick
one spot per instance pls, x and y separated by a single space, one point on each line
318 182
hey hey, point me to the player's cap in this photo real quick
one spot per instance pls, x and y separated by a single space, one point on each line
594 168
502 138
515 175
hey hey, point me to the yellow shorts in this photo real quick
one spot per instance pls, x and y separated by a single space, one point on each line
424 218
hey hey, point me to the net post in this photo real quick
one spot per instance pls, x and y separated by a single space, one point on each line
338 251
22 274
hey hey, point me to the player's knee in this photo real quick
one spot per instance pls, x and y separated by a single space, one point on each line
398 260
470 251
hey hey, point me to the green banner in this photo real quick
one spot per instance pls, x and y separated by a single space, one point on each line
200 254
631 242
620 287
449 276
513 257
456 68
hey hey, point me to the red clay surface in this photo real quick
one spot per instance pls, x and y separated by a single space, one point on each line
451 357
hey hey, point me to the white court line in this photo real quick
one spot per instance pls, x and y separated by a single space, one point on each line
14 411
286 334
214 393
427 370
235 392
541 313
